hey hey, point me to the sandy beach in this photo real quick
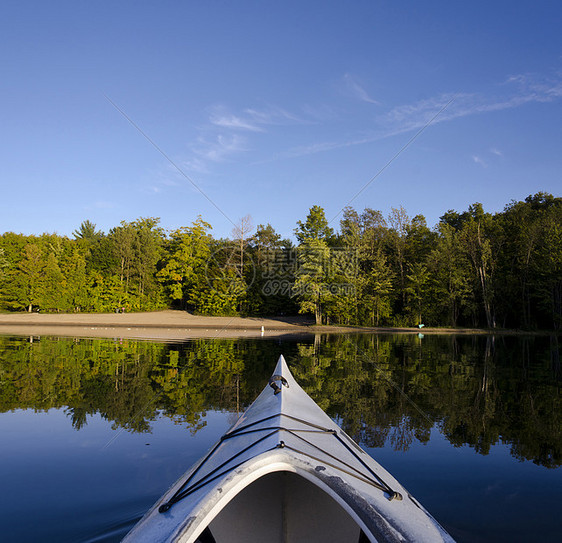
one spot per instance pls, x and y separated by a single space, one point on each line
169 325
176 325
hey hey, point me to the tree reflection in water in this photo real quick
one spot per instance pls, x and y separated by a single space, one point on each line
478 390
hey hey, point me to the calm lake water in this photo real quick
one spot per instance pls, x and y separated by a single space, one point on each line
93 431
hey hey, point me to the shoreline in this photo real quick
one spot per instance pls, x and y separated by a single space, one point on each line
173 325
176 325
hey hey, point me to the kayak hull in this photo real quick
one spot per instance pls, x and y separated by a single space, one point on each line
285 472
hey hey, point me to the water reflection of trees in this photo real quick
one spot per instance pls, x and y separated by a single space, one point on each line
128 382
479 390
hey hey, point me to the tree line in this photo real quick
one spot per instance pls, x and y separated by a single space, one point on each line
473 268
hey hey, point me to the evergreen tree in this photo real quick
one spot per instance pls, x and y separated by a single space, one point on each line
87 232
315 227
311 285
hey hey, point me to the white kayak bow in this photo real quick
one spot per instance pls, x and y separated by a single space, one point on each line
285 472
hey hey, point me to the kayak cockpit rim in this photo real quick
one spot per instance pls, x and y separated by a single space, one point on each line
228 493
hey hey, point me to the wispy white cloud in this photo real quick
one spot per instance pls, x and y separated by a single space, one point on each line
356 90
227 133
516 91
538 88
490 155
408 117
233 122
479 160
212 150
219 148
194 164
313 148
251 119
273 115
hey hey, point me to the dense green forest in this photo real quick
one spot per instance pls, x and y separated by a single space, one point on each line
473 269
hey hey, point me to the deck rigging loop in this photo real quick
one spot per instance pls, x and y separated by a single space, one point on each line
192 483
273 383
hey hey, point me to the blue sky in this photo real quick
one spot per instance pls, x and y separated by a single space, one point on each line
268 108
